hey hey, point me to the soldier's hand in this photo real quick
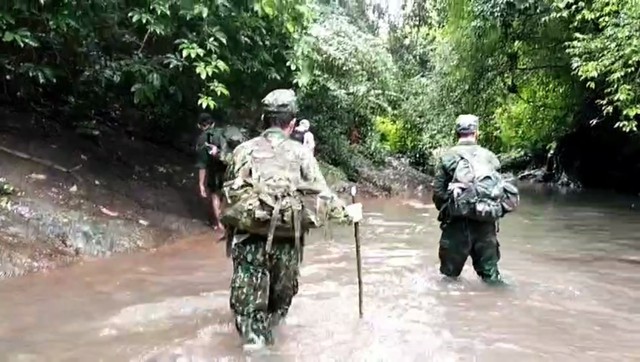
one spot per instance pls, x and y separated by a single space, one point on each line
326 195
213 149
456 189
203 191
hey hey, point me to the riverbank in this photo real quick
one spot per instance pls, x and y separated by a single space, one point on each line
80 196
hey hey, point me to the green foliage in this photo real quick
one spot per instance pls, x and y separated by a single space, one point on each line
349 80
529 68
534 118
508 56
345 77
333 175
606 53
505 61
390 133
160 57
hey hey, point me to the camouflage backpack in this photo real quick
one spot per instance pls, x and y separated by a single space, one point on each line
485 196
271 198
234 137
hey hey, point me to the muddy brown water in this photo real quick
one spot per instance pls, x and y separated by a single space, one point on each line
572 262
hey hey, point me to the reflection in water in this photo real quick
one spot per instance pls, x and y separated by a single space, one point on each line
573 295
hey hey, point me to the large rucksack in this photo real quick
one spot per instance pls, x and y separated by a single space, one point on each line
270 198
484 195
297 136
234 136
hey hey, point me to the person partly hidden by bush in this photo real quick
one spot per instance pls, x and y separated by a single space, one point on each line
213 151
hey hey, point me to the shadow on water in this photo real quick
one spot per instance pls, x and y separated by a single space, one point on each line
571 261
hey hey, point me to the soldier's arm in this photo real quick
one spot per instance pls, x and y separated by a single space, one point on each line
238 162
312 175
223 147
440 186
495 160
309 141
230 172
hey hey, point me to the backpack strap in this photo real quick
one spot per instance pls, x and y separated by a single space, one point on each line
463 157
297 223
274 221
297 227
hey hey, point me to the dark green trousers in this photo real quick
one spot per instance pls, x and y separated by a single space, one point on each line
462 238
263 285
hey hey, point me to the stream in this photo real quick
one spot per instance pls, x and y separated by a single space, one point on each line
572 263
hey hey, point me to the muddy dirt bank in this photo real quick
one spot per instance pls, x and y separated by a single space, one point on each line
82 196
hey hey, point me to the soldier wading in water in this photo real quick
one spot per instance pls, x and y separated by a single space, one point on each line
275 193
471 197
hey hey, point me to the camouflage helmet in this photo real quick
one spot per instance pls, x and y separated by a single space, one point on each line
280 101
467 123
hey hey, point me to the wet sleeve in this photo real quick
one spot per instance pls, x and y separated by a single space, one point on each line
311 173
223 147
229 173
496 161
440 186
309 140
238 163
338 211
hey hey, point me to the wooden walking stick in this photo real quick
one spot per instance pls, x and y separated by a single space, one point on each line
356 233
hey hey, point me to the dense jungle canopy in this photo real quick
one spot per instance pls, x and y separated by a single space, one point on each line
544 75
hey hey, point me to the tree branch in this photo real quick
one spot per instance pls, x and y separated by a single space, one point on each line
42 161
538 67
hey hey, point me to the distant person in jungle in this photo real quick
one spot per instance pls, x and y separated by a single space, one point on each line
354 137
471 196
210 149
303 135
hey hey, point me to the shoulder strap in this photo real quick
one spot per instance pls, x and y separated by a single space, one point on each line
469 161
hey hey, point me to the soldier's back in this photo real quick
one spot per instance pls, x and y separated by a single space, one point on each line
286 144
287 153
451 157
294 147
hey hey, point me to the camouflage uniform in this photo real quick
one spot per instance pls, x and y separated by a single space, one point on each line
6 190
263 284
463 237
5 187
216 169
